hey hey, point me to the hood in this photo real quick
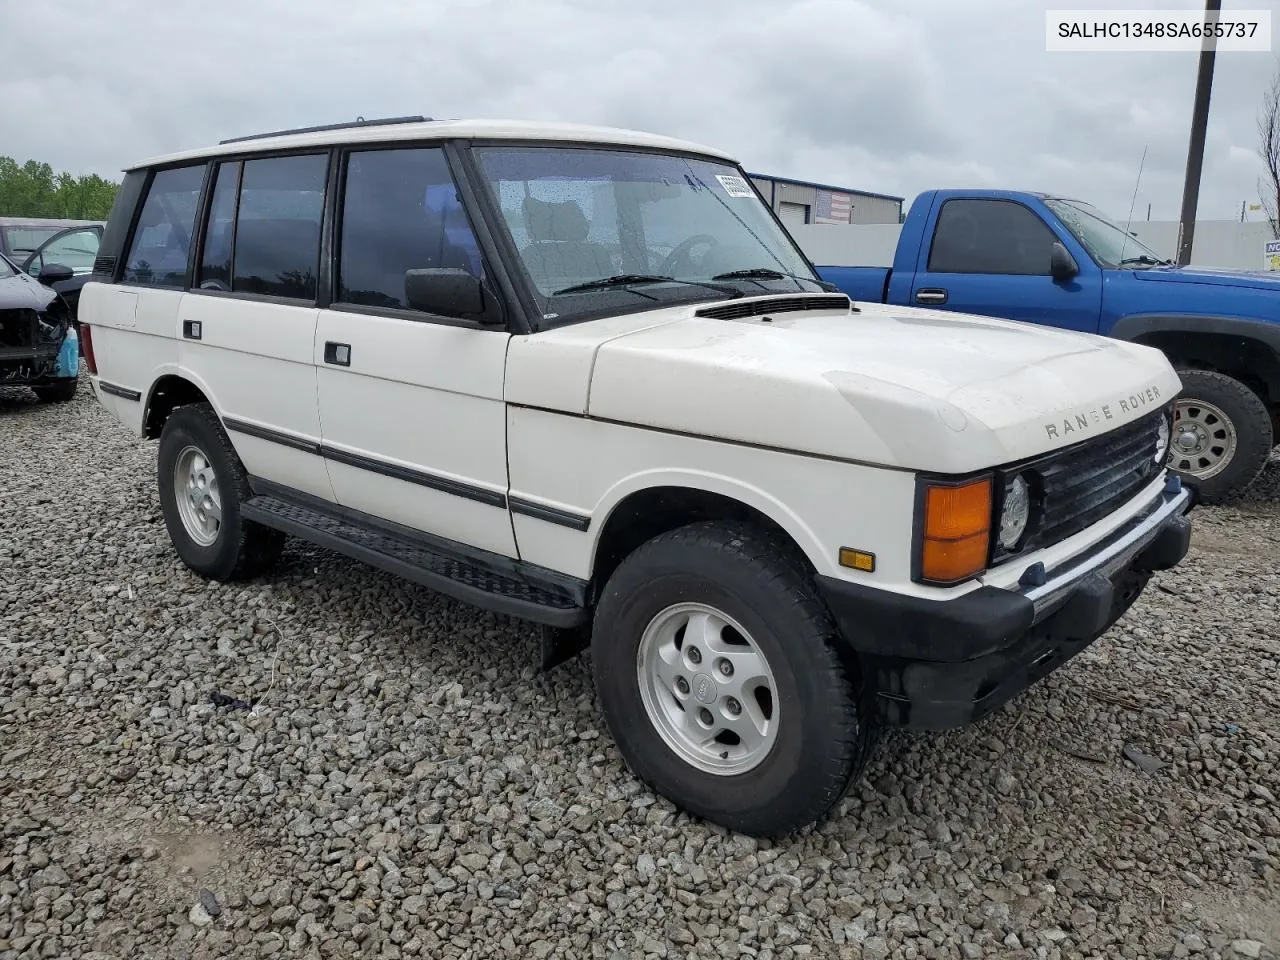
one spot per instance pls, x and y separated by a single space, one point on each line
1221 277
893 386
20 292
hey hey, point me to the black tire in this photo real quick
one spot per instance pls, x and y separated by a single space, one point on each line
1249 418
824 735
241 549
63 391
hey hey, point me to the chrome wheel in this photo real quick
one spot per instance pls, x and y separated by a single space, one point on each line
195 487
1204 439
707 689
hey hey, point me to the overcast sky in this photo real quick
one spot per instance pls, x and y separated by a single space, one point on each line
894 96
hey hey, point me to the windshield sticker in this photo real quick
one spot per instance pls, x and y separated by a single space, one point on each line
734 186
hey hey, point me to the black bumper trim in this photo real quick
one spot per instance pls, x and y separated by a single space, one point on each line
936 665
123 393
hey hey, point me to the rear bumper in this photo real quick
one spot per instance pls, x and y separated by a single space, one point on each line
931 665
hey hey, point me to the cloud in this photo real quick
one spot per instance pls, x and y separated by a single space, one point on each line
894 96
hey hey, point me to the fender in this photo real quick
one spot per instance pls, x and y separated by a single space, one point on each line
1256 344
734 489
1137 325
181 372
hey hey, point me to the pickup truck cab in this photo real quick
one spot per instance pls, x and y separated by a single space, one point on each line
584 377
1059 262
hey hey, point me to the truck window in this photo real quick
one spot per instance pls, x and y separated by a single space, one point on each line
277 244
162 238
215 264
990 236
400 212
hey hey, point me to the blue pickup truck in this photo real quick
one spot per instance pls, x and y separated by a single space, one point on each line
1043 259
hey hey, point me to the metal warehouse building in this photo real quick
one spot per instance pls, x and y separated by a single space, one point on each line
798 202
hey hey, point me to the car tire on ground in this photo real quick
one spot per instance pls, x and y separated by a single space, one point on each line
787 734
202 484
1222 434
63 391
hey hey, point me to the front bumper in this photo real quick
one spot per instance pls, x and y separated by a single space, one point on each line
936 665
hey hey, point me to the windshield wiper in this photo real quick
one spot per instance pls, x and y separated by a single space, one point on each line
635 279
1149 261
768 273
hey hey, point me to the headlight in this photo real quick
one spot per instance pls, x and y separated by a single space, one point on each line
1015 512
1162 438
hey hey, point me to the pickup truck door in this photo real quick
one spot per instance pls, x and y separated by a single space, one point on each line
992 256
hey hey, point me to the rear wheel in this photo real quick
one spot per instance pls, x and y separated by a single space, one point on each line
202 484
61 392
721 680
1222 434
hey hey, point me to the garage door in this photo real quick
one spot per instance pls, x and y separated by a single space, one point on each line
793 214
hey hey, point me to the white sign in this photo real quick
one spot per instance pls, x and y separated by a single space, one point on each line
1272 255
734 186
1156 31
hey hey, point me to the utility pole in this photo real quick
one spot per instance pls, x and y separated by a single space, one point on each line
1199 126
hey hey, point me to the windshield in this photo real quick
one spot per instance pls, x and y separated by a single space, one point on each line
23 241
658 228
1107 243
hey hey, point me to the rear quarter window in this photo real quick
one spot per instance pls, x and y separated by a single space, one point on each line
162 237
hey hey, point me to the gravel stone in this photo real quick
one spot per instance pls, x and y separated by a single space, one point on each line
441 798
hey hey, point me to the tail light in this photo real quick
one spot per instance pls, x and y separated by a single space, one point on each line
86 348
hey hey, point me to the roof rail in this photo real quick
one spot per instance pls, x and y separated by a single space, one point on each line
358 122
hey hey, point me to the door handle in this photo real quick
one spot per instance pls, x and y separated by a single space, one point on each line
931 295
192 329
338 354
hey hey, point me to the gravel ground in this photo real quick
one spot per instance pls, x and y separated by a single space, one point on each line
409 786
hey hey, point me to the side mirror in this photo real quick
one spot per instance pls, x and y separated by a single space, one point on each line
52 273
450 292
1062 266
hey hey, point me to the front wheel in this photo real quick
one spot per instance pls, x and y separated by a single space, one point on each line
722 683
1222 434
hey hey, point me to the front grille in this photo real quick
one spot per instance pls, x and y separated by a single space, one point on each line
736 310
1077 486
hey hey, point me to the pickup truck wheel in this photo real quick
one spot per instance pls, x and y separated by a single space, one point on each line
64 391
202 484
720 678
1222 434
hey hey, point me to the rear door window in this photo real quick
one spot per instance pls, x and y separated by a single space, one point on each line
215 260
162 237
277 233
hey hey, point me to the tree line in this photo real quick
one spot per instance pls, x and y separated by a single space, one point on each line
32 189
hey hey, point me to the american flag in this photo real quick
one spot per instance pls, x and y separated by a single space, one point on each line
832 207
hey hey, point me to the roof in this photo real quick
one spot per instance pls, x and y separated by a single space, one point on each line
825 186
440 130
46 222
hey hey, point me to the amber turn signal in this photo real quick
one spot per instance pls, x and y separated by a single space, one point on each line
957 531
863 560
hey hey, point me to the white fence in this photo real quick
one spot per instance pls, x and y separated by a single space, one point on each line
1218 243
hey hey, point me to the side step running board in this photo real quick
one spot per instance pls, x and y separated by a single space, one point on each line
466 580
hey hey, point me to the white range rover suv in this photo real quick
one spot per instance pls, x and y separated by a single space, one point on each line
584 377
